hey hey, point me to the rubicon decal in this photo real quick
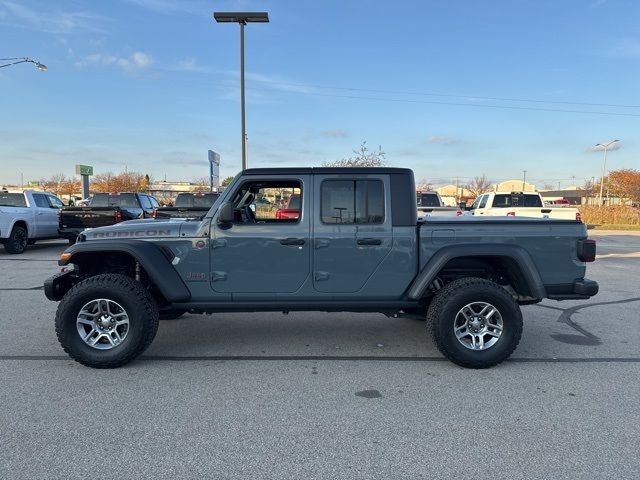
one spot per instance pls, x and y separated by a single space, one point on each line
133 233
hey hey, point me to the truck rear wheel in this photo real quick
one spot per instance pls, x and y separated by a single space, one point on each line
475 323
106 321
17 241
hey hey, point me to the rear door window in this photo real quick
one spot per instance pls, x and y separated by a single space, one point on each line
41 200
352 201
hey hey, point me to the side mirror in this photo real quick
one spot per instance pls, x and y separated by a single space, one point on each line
226 215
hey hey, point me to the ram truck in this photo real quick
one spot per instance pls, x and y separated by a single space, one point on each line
26 217
105 209
520 204
355 246
188 205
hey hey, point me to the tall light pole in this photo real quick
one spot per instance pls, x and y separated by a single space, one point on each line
17 60
242 18
604 147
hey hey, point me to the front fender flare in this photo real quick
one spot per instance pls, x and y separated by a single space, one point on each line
150 257
529 271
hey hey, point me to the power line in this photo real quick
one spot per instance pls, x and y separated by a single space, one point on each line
432 94
460 104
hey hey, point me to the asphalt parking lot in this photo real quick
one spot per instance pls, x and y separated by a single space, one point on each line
317 395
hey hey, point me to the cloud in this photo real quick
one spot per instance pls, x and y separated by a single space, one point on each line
442 140
18 15
138 61
335 133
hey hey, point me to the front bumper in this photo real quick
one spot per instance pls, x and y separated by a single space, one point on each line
57 285
581 289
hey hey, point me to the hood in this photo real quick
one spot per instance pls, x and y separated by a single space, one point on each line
138 229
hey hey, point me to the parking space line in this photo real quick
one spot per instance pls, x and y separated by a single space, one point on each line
289 358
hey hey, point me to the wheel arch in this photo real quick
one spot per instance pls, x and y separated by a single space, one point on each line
155 261
515 260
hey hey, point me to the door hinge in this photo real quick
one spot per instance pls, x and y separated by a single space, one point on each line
320 276
321 243
218 276
218 243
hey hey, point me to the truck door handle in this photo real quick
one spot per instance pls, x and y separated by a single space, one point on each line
292 241
369 241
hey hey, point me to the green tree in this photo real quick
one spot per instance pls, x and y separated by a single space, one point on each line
226 181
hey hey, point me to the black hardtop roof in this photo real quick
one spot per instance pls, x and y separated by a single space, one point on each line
326 171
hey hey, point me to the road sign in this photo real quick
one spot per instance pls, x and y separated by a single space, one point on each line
84 170
214 169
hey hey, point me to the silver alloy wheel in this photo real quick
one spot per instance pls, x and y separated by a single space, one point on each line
478 325
102 324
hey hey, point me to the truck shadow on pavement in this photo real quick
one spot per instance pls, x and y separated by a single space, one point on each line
586 337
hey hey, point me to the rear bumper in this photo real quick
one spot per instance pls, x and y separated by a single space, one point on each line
581 289
70 233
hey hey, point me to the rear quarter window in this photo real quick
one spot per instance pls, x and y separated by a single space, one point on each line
12 200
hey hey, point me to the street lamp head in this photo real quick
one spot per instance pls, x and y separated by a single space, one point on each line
41 66
241 17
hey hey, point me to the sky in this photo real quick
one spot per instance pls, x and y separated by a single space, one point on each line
448 88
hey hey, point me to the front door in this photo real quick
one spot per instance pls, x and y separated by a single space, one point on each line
352 231
263 251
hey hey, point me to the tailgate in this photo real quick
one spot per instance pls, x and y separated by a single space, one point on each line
87 217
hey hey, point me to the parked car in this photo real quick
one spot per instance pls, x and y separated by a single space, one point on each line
355 246
105 209
188 205
431 205
26 217
520 204
291 210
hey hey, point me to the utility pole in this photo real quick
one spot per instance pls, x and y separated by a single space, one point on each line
605 147
524 179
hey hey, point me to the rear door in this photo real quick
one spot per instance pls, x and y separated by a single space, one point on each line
352 230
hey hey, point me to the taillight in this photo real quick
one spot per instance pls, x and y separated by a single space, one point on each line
587 250
578 216
511 214
458 213
154 213
117 216
279 215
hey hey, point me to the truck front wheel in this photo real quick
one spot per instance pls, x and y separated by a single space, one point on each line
475 323
106 321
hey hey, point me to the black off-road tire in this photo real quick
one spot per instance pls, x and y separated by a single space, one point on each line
171 314
17 241
451 299
132 296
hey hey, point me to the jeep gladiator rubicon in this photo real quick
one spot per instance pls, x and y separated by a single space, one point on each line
355 246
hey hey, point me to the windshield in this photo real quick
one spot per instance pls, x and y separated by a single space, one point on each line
12 200
114 200
198 201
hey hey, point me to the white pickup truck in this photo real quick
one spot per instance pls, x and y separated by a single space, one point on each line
431 205
520 204
26 217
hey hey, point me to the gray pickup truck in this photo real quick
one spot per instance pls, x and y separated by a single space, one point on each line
355 246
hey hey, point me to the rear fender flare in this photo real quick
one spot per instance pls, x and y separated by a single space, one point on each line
519 255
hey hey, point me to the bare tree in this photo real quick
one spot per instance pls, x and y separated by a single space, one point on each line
363 157
479 185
